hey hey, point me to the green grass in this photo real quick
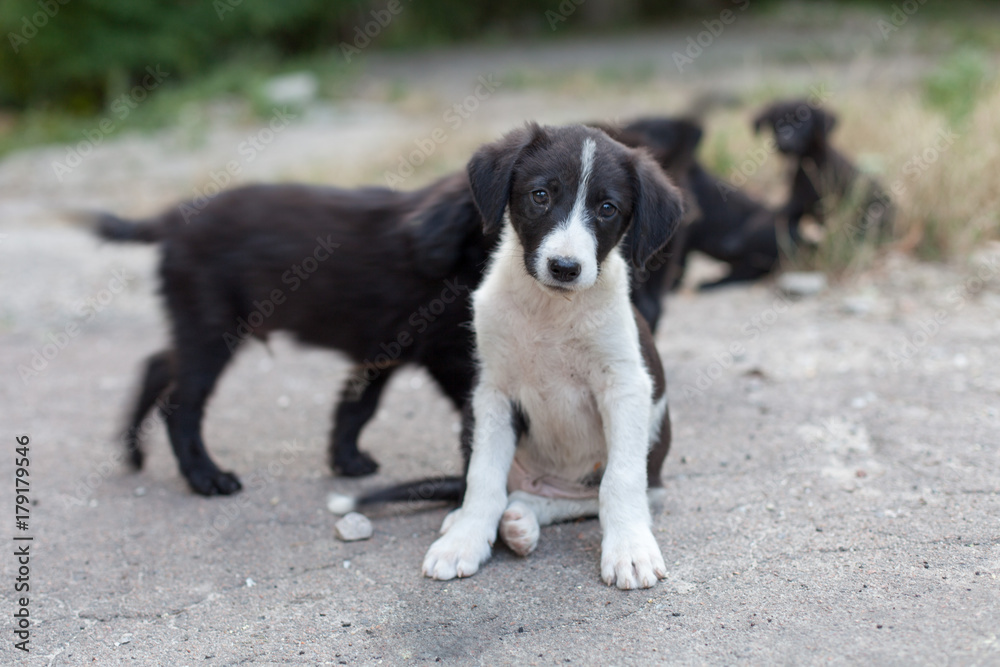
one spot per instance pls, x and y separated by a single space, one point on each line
240 81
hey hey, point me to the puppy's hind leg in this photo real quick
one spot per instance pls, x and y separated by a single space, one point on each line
358 402
526 513
519 528
155 381
198 368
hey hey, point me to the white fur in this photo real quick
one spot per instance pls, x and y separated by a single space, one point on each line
573 239
573 362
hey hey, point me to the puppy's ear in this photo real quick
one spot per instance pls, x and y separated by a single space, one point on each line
656 211
491 171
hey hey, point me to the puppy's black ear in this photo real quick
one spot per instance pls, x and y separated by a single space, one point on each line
656 212
491 171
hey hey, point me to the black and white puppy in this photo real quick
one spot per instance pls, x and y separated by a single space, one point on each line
823 176
569 409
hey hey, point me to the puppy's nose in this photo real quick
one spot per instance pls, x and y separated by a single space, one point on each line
564 269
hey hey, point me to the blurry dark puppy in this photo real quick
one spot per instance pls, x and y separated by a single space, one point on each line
728 225
823 176
382 276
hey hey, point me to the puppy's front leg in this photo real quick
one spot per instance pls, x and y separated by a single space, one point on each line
471 533
630 556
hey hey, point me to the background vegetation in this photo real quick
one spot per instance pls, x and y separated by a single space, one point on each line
63 63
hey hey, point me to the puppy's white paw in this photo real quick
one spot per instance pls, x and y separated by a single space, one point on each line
457 553
631 559
519 528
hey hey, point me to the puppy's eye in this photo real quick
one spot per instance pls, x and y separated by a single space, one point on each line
607 210
540 197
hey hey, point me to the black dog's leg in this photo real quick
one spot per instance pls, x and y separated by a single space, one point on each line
198 369
155 381
455 375
358 402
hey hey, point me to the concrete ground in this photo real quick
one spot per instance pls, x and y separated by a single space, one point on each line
833 490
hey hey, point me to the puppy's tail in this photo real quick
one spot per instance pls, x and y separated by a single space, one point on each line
429 489
112 228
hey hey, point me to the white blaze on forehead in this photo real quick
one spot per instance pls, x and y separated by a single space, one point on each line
573 239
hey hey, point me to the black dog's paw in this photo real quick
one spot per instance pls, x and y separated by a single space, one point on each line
358 465
213 482
135 458
133 451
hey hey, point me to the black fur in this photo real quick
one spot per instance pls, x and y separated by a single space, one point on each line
380 275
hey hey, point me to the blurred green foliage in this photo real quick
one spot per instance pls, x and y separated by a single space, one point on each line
78 55
955 86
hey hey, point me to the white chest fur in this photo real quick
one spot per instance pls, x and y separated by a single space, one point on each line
555 355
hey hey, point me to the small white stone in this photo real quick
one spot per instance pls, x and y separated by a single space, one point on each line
294 88
251 583
802 283
353 527
340 504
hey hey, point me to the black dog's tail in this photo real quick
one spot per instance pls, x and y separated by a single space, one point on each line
431 488
112 228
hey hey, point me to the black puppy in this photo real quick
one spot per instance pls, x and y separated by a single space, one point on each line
728 225
383 276
823 176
